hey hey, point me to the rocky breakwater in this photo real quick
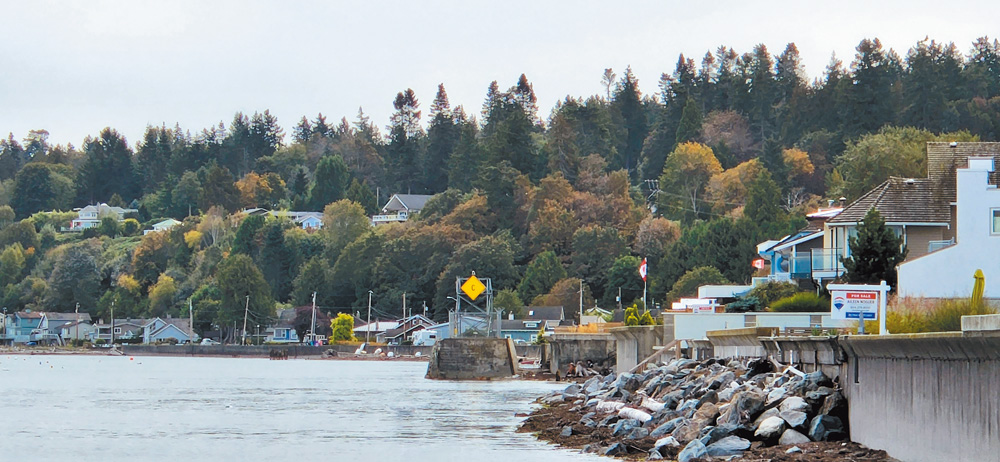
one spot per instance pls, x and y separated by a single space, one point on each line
689 410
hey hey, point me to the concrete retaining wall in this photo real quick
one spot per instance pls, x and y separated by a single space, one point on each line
634 344
808 354
739 343
925 397
472 359
567 348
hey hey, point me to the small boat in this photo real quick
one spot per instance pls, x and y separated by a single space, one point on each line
529 363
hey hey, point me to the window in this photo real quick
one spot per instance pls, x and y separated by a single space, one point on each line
995 223
534 338
118 330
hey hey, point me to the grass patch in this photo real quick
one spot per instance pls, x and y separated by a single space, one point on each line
802 302
912 315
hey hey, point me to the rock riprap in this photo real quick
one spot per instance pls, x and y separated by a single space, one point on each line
688 410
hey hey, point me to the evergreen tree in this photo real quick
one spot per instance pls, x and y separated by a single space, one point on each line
276 261
107 156
405 135
219 189
245 240
542 273
628 102
12 157
442 137
302 132
361 193
329 183
875 252
321 128
690 125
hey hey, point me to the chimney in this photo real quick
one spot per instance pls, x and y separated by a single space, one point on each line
510 316
829 202
843 201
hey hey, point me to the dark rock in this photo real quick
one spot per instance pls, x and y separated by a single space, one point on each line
795 419
666 428
666 441
819 394
758 366
835 405
609 420
637 433
722 381
654 455
592 385
826 428
710 396
622 427
588 423
589 415
573 389
694 450
632 384
566 431
617 449
728 446
792 437
590 448
712 434
817 379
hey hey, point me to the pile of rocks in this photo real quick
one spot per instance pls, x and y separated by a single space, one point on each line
689 409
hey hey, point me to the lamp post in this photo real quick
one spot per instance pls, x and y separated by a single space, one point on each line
246 313
258 334
368 326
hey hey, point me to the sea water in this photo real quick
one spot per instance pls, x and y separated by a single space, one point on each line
105 408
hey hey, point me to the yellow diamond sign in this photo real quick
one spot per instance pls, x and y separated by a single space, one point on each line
473 287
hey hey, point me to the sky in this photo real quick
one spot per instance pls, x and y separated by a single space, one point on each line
75 67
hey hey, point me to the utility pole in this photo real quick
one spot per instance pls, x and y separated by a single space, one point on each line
404 305
581 301
368 326
190 312
313 331
77 322
619 298
112 324
246 312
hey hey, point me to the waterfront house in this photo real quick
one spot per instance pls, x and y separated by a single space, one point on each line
23 325
801 257
535 319
173 330
400 208
123 329
375 330
76 330
407 327
91 215
283 330
947 271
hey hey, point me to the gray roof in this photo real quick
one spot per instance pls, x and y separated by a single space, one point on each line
921 200
544 313
409 202
68 317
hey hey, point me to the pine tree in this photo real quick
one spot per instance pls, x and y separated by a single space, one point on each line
690 125
442 137
875 252
275 261
329 183
302 131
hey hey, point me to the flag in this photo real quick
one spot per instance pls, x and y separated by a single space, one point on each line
758 263
642 269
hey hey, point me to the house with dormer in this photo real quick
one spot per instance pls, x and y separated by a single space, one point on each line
973 236
536 319
400 207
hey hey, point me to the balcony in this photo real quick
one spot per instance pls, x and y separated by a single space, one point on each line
826 263
938 245
389 218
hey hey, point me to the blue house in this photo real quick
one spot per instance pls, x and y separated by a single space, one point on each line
283 330
536 319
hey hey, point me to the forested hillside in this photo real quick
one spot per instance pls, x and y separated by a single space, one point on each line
730 152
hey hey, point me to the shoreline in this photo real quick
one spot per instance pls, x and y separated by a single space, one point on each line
49 351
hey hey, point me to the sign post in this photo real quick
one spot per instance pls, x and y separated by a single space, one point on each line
859 301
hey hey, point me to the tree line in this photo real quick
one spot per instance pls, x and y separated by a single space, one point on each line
725 155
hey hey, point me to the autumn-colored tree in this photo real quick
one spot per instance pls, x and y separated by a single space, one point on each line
686 173
161 295
727 190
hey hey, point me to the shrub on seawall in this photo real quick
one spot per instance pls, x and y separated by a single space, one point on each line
802 302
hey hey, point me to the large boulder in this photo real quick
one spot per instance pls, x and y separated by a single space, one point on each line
826 428
795 419
694 450
728 446
667 428
814 380
744 407
616 449
592 385
775 396
794 403
666 441
566 431
637 433
624 426
792 437
770 429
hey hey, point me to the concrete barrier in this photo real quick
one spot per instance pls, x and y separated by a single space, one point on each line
807 354
740 343
634 344
567 348
472 359
985 322
925 397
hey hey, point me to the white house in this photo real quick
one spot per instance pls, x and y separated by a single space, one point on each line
308 221
90 216
948 271
159 330
162 226
400 208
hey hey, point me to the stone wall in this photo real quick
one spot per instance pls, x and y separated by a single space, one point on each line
472 359
925 397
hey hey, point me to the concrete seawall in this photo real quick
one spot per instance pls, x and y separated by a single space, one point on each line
567 348
473 359
925 397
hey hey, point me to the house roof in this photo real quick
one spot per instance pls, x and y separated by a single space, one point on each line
900 200
67 316
411 202
104 208
796 239
921 200
518 324
29 314
169 222
544 313
377 326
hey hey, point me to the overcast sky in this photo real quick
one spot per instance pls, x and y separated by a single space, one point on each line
73 68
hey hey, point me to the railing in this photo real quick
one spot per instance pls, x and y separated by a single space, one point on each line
938 245
385 218
827 261
801 266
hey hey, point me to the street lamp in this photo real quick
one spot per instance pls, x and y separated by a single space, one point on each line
258 334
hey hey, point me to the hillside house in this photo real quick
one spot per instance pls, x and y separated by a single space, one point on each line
91 215
400 208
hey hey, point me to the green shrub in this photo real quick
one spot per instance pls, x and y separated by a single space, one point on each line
631 321
802 302
646 319
744 305
769 292
687 285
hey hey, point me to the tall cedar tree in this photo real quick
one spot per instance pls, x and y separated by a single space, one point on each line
442 137
875 252
405 134
628 101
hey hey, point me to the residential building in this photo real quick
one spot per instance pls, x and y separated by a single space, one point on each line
947 271
162 226
76 330
309 221
802 257
536 319
91 215
173 330
375 331
283 330
400 208
407 327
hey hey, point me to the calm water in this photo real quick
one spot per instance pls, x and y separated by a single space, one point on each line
87 408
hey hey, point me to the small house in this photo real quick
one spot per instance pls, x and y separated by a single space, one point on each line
400 208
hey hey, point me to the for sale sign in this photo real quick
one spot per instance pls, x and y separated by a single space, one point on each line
853 304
